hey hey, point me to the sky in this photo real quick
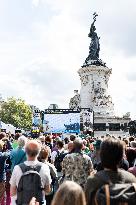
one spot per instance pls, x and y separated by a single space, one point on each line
43 43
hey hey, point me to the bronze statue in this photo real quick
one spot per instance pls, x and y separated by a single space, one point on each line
94 48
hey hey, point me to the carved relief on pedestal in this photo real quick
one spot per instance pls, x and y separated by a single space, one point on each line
75 101
94 84
103 105
84 79
106 79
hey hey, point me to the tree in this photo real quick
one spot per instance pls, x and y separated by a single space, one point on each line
17 113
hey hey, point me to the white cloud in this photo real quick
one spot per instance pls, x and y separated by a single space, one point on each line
35 3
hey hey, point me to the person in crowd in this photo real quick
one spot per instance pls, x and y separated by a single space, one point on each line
18 155
5 167
42 139
2 135
77 166
66 141
131 138
60 148
126 142
48 141
58 156
90 142
7 144
55 140
124 164
69 193
15 141
3 158
111 154
95 155
32 150
85 147
72 137
133 169
43 157
133 144
131 152
70 147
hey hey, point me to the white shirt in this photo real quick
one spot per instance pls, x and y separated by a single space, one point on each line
17 173
44 173
54 154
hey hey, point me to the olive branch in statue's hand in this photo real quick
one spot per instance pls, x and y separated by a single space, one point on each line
94 16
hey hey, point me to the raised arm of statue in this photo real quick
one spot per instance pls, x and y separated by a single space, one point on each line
92 29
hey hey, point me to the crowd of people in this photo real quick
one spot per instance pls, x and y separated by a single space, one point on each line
73 170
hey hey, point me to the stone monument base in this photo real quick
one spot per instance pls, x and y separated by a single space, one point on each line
93 93
116 126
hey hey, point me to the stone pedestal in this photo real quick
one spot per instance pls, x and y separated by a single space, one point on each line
93 93
114 126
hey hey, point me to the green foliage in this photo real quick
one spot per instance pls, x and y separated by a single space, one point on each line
16 112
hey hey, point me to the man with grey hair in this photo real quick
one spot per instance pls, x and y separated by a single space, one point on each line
133 144
77 166
32 149
18 155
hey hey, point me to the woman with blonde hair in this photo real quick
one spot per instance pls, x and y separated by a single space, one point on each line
69 193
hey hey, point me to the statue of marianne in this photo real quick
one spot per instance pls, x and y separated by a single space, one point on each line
94 47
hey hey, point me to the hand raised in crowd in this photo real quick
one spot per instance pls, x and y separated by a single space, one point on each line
33 201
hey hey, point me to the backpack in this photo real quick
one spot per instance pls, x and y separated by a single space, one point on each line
30 184
116 194
58 160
